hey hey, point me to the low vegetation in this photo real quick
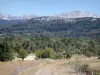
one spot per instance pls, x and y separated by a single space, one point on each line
85 66
42 26
46 53
45 47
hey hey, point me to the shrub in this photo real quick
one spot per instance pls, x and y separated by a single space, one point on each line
6 52
96 73
46 53
59 56
84 67
40 53
22 53
67 55
50 52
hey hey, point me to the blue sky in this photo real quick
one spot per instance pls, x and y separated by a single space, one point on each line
48 7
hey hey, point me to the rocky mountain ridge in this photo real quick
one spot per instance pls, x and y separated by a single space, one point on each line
73 14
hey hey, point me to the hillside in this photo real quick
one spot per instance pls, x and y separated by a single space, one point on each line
58 27
75 24
7 23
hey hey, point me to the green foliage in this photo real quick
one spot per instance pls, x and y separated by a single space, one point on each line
50 52
67 55
46 53
84 67
77 28
22 53
6 52
59 56
96 73
46 47
41 54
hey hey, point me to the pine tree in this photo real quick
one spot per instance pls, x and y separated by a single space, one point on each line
22 53
6 51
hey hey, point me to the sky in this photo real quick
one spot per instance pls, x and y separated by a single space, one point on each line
48 7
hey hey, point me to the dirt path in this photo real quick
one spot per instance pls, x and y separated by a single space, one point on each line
54 68
47 69
51 67
44 71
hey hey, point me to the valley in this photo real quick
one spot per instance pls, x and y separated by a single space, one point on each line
53 40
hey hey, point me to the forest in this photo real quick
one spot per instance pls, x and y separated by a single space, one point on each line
45 47
87 27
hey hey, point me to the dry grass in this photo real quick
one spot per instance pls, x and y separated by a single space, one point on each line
37 65
94 64
7 68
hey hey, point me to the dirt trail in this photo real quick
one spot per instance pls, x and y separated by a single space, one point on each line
54 69
44 71
51 67
47 69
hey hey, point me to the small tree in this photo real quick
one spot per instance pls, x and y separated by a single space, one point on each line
22 53
59 56
40 53
84 67
6 52
50 52
67 55
46 53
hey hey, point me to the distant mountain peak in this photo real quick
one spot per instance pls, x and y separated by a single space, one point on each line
9 17
73 14
29 16
77 14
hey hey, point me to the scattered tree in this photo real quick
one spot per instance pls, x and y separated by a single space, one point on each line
6 52
22 53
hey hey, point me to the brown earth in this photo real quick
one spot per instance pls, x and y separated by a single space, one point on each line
7 68
44 67
52 67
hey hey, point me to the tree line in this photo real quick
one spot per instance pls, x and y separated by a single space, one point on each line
70 27
45 47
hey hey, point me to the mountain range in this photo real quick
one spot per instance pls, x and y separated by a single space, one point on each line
70 24
10 17
73 14
77 14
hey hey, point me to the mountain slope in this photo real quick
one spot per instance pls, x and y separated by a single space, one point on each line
73 14
77 14
79 25
9 17
69 27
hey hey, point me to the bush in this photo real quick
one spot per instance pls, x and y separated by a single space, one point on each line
99 57
46 53
59 56
50 52
96 73
22 53
6 52
84 67
79 67
41 54
67 55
